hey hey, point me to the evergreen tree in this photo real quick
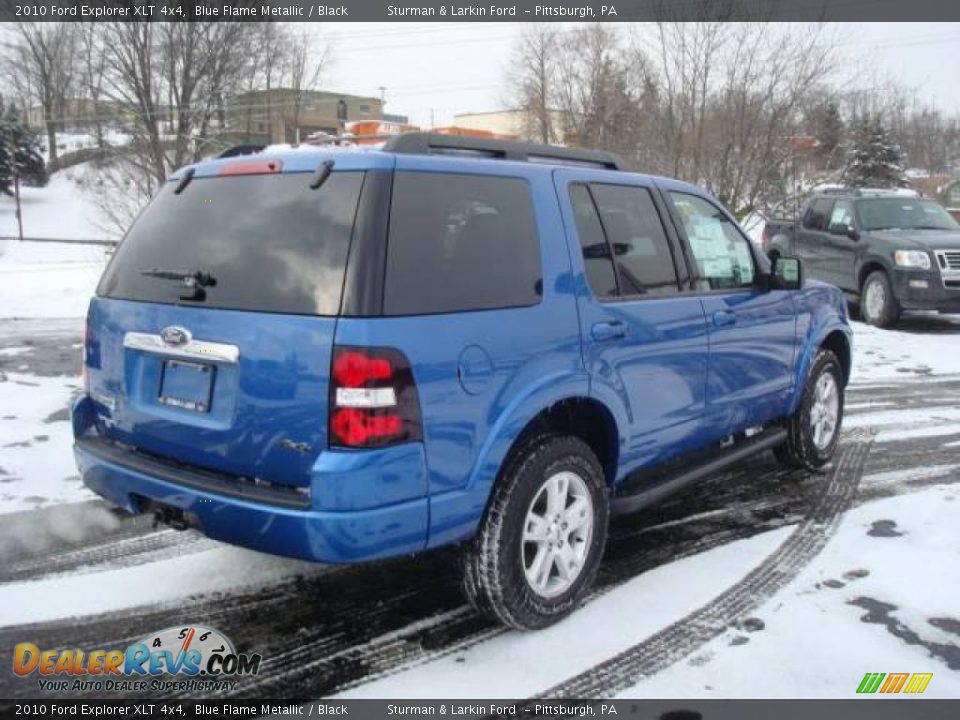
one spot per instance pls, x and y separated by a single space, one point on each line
6 169
874 160
19 153
829 131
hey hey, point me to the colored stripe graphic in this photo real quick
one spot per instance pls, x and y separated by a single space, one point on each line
894 682
918 682
870 682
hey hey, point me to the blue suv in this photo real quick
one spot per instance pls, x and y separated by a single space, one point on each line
346 355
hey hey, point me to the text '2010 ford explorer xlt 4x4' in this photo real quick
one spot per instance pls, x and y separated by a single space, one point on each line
344 356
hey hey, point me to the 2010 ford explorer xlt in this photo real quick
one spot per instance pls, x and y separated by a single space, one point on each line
342 356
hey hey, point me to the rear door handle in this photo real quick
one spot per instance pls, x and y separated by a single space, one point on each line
608 330
724 317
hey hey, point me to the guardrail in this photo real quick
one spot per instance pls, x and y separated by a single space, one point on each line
73 241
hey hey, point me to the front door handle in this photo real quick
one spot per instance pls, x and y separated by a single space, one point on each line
722 318
608 330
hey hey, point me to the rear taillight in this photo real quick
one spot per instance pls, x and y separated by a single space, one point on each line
764 238
373 398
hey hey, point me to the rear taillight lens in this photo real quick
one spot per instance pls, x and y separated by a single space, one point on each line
373 398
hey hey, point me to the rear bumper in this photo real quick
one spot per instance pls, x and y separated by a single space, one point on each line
924 290
313 532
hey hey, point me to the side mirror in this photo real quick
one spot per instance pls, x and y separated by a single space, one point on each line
843 230
788 273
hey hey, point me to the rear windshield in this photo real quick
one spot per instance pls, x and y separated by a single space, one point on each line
266 243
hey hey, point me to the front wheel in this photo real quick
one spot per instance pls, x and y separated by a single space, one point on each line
878 305
539 547
813 431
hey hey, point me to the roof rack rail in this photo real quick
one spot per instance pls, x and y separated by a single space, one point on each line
238 150
432 143
869 192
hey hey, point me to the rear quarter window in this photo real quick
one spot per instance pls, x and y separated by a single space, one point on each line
460 242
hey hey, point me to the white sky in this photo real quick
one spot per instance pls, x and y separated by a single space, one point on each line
459 67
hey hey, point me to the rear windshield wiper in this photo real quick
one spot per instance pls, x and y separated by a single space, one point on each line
321 174
197 278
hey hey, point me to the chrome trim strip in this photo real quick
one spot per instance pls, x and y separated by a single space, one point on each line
193 350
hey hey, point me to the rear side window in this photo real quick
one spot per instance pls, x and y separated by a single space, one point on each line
635 238
460 242
816 215
269 243
593 243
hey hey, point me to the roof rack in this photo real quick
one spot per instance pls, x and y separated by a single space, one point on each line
869 192
433 143
238 150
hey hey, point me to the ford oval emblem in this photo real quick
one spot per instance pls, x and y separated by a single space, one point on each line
175 336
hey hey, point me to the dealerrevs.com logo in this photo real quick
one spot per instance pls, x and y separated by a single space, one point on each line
185 658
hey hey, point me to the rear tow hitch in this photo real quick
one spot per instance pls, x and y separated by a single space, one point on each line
172 517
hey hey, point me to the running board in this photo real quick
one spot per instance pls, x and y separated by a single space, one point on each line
630 499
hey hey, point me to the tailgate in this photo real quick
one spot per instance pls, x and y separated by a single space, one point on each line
244 394
211 333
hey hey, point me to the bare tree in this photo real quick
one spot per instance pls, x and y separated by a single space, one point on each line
92 61
532 83
304 66
43 56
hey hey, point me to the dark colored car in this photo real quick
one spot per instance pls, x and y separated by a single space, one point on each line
887 250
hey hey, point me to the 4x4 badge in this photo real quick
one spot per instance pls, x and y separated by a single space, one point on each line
174 335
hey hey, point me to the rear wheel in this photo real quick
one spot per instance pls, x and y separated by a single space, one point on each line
540 544
813 431
878 304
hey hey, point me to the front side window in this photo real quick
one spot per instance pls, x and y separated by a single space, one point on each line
722 254
842 215
460 242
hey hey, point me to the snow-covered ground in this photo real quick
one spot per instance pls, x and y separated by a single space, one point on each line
64 208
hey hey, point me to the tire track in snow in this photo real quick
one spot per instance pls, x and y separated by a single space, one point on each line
375 632
690 633
109 554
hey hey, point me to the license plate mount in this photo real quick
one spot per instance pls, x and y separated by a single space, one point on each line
186 385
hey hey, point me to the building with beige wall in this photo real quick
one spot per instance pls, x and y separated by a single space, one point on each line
285 115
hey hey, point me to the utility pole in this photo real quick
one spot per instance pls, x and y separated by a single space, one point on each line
16 187
16 193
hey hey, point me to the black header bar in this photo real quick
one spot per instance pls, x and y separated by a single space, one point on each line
877 709
479 10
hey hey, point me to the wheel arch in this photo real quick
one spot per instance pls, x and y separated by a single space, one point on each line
838 343
582 417
869 265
